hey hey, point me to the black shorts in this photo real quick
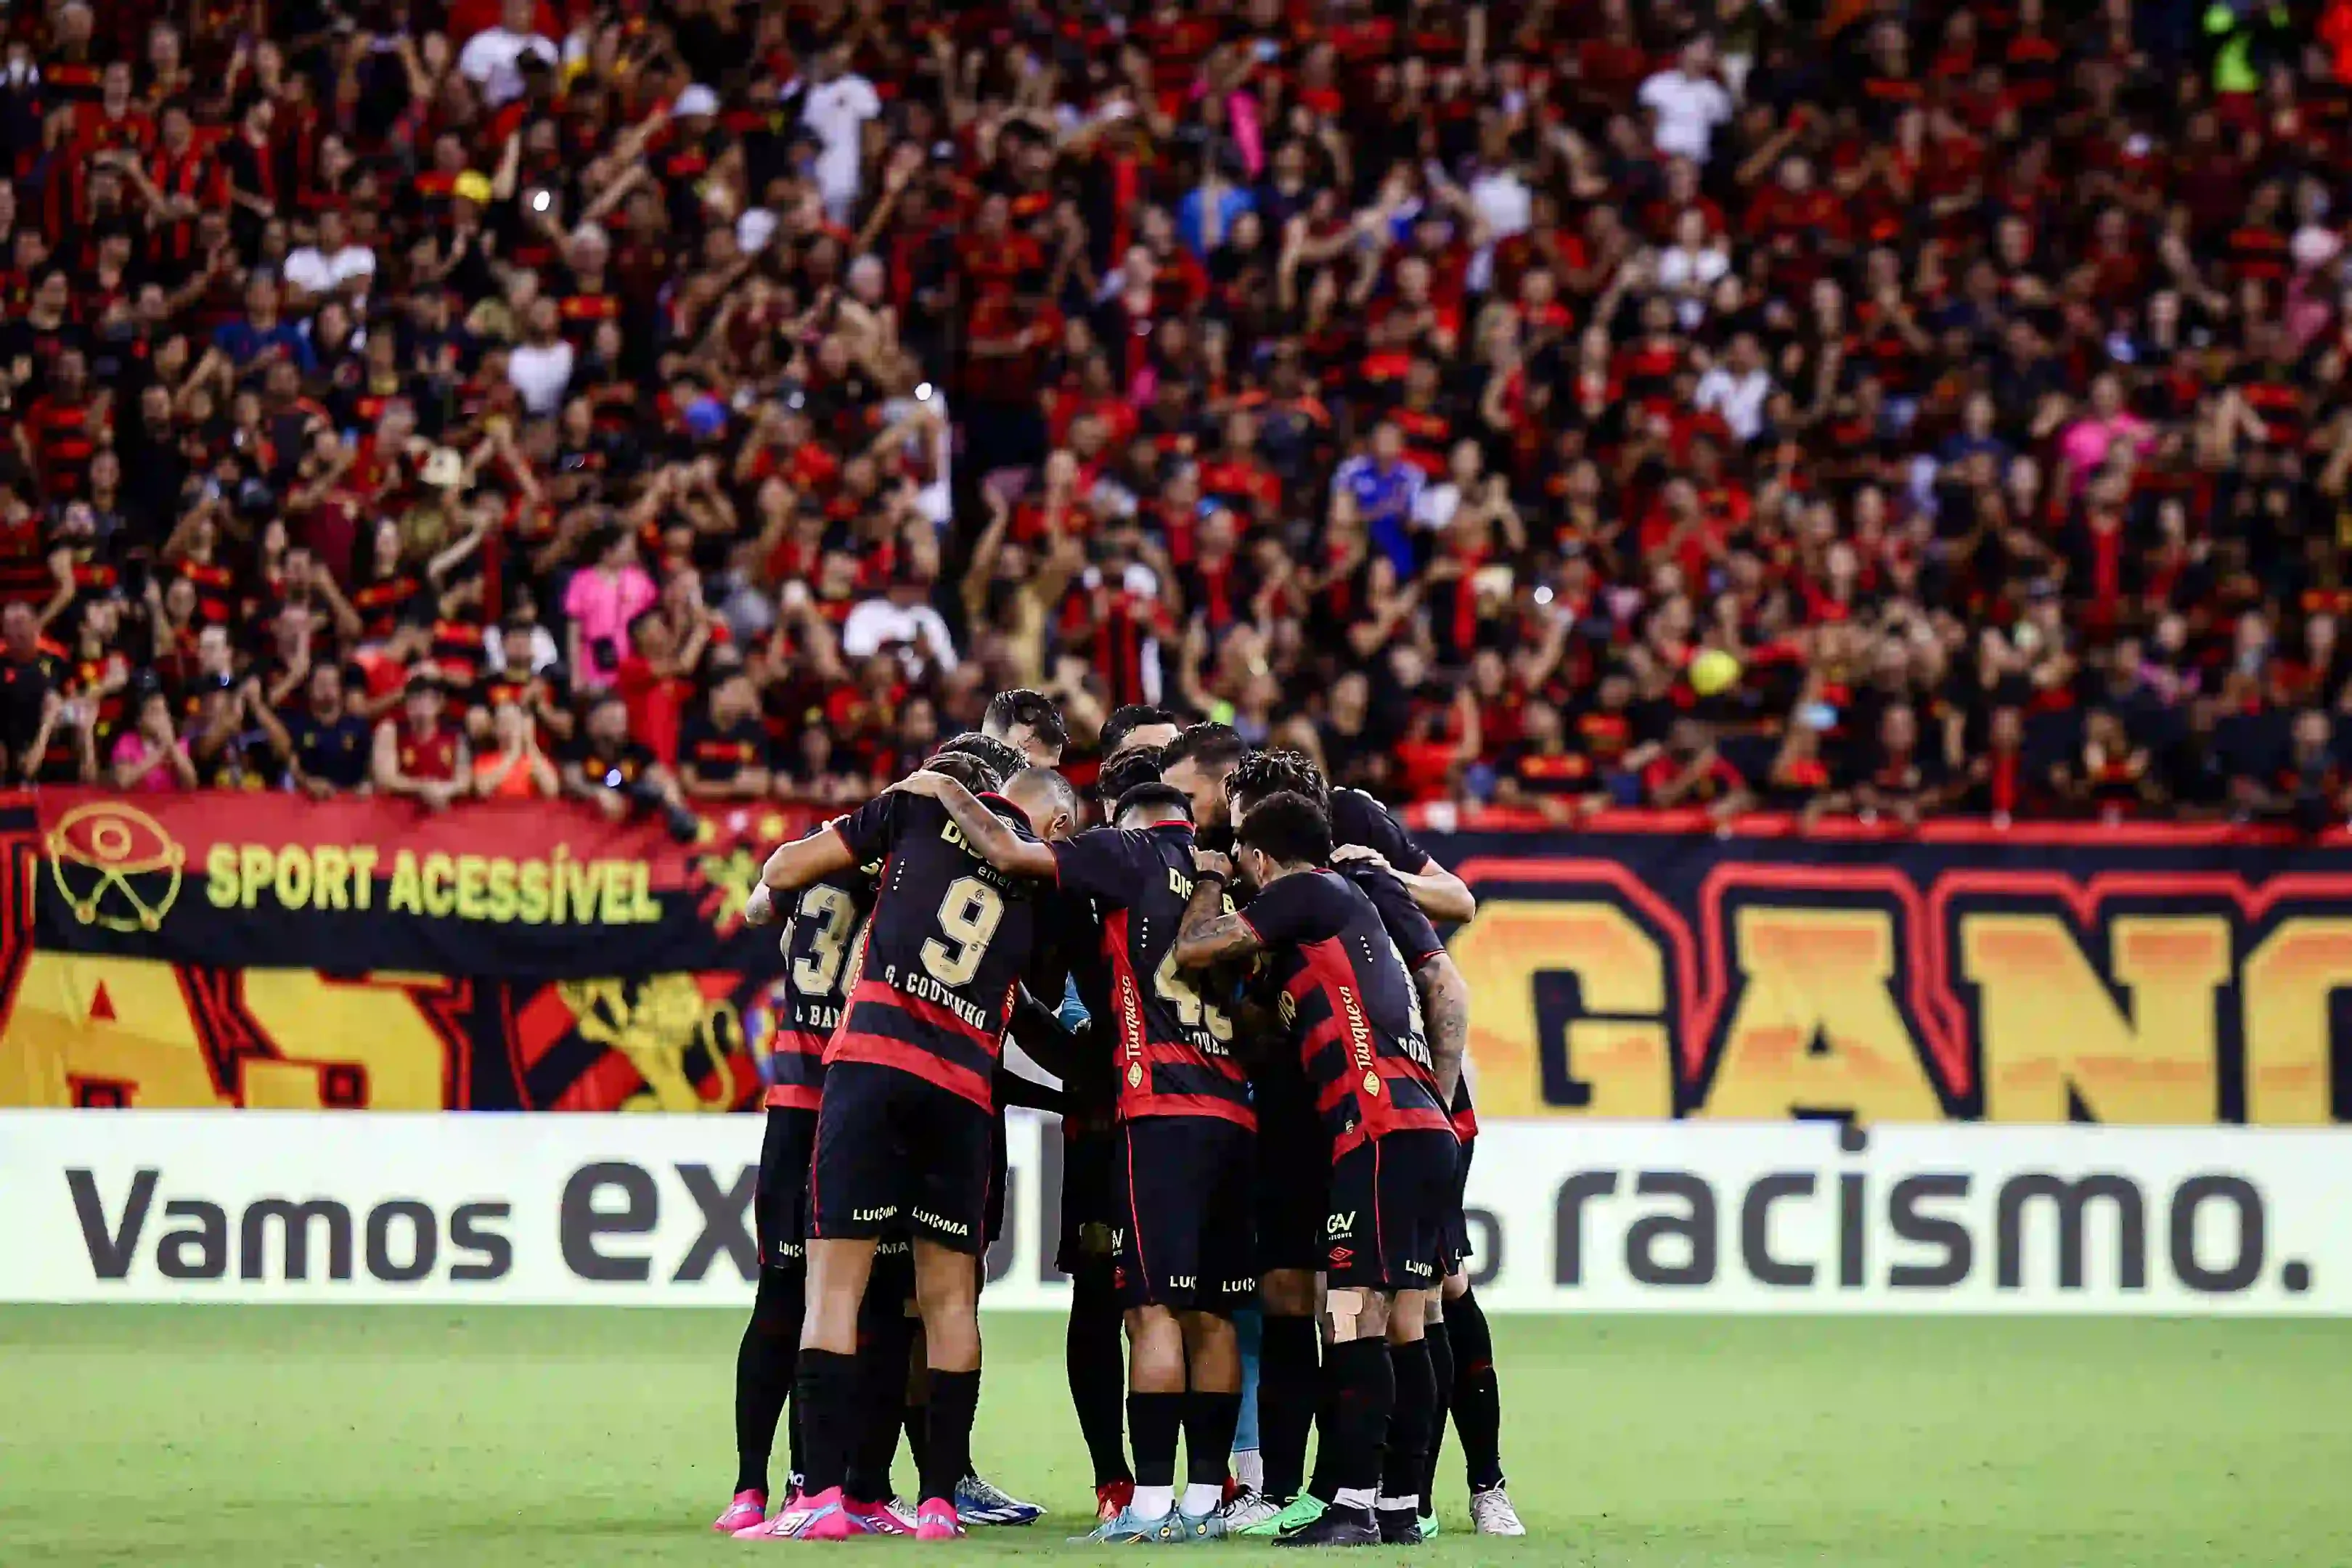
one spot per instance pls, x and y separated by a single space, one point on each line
1090 1203
780 1205
892 1281
897 1155
1000 1165
1185 1193
1457 1247
1294 1177
1390 1201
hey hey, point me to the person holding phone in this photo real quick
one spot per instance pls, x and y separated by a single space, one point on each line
603 597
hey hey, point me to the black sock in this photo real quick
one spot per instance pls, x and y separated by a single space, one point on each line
1096 1364
1326 1414
947 1458
1477 1405
1363 1391
1405 1464
826 1396
918 1437
764 1365
1208 1423
884 1334
1441 1366
1152 1421
1287 1386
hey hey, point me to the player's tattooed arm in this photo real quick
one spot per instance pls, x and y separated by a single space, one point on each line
1208 933
1445 1010
986 832
794 866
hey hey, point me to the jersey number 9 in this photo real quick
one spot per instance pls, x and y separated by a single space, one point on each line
968 916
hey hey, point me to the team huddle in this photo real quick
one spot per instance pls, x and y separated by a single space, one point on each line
1259 1038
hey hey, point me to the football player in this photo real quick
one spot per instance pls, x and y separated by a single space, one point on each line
1350 1011
906 1117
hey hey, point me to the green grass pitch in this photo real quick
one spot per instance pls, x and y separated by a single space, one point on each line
425 1437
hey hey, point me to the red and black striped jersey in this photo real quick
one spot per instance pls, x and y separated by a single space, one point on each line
821 933
1360 818
1172 1049
947 944
1351 1006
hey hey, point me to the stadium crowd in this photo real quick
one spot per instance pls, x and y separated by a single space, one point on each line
1850 407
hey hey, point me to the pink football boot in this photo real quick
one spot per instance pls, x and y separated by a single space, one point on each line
880 1519
749 1509
819 1517
936 1520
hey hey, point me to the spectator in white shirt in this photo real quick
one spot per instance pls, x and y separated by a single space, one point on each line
1688 268
492 60
1687 103
540 367
902 620
333 262
1434 508
1738 388
836 106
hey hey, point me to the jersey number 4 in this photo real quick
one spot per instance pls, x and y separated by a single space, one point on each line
1186 1002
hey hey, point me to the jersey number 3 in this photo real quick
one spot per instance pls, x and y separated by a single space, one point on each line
831 913
968 916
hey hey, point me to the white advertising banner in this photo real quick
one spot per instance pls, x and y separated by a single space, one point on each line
1598 1216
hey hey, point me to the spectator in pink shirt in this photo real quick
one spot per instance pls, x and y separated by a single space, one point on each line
150 757
601 602
2085 443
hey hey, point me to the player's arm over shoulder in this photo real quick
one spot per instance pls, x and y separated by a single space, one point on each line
1359 818
841 845
990 837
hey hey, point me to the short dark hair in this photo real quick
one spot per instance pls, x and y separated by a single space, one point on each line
1262 774
1024 709
1288 829
1003 760
967 771
1208 745
1136 766
1123 721
1165 802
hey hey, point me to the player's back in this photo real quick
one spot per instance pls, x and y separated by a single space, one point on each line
1172 1051
1351 1004
820 936
949 937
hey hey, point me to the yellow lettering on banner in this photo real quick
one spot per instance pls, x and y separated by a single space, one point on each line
2049 1026
642 906
253 865
1816 1028
1624 1060
406 892
220 876
363 860
440 897
473 897
531 892
499 901
373 1023
140 1036
613 909
2287 986
576 888
292 885
331 875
